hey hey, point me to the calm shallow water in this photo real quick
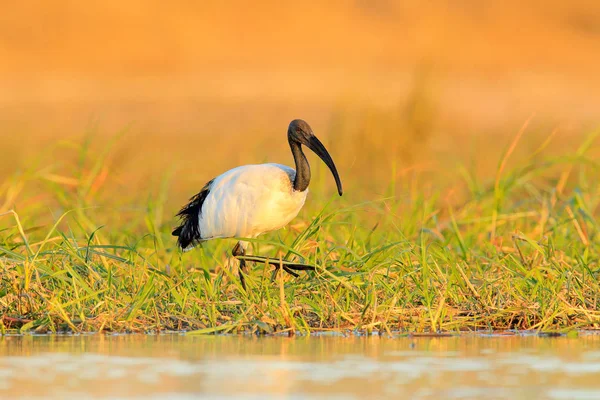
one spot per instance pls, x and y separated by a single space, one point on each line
175 366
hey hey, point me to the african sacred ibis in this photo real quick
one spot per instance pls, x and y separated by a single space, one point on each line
253 199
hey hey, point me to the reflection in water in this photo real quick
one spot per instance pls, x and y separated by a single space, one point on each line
180 367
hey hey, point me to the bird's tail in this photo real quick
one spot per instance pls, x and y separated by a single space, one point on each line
187 236
188 233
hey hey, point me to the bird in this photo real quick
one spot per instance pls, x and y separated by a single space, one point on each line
250 200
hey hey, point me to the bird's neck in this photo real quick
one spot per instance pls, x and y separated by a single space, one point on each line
302 178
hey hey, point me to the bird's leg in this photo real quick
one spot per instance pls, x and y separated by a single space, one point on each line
239 250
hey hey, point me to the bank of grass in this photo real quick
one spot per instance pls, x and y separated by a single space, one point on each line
517 249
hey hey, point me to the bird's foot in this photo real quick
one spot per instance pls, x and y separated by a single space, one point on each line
287 266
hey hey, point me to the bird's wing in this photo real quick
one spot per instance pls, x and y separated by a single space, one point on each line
249 200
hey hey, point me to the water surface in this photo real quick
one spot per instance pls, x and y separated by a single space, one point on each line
175 366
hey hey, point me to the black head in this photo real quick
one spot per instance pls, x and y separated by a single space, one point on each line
300 132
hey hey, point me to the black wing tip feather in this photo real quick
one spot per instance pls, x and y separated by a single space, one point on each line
188 233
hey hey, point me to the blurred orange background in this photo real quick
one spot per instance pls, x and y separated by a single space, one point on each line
176 73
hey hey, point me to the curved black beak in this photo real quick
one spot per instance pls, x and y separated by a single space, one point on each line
315 145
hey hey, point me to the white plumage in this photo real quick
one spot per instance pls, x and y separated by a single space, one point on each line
249 200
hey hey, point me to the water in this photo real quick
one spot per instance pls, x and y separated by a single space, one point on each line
175 366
